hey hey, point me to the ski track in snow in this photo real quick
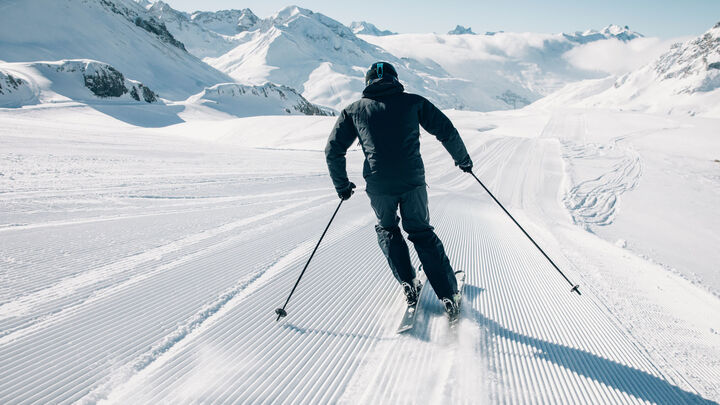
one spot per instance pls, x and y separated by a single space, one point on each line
22 305
191 320
347 351
595 202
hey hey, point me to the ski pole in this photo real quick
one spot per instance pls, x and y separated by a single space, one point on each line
575 287
281 313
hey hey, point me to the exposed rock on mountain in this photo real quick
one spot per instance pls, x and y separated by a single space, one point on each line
140 19
460 30
120 33
68 80
268 99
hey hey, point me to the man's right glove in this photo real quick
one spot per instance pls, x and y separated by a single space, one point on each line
466 165
347 192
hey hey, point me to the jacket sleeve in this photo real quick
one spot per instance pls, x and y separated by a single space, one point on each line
438 124
341 138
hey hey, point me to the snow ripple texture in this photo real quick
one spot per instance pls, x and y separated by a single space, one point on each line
161 290
523 337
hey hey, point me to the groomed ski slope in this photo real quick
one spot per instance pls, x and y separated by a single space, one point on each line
149 272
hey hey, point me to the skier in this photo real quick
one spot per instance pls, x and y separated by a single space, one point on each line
386 121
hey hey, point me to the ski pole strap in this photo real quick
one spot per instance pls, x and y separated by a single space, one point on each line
575 287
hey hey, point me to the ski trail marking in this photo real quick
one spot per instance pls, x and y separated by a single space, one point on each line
25 304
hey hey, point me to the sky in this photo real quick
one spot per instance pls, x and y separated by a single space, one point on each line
658 18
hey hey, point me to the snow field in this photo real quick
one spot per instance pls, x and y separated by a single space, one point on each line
149 272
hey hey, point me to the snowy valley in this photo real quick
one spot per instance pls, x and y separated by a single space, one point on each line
163 182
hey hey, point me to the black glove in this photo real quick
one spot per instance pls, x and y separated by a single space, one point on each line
466 165
347 191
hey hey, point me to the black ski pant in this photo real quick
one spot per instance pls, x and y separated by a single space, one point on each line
416 222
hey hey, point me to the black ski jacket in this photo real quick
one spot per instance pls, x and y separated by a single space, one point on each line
386 121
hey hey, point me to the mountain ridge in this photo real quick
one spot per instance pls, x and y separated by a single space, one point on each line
685 79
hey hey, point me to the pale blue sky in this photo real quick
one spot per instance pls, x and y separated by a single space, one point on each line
659 18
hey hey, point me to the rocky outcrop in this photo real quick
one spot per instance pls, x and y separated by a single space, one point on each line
267 99
143 21
226 22
10 83
103 80
460 30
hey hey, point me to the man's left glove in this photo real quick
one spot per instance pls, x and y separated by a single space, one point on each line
347 192
466 165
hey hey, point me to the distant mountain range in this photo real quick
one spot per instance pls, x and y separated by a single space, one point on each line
181 55
624 34
460 30
685 79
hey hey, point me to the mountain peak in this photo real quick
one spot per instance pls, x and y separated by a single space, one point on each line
159 6
226 22
623 33
460 30
290 12
612 31
365 28
144 3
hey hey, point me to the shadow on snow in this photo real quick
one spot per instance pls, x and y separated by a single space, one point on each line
629 380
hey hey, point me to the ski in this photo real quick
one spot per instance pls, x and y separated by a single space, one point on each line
408 319
460 276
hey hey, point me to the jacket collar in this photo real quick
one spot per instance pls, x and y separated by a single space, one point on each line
383 87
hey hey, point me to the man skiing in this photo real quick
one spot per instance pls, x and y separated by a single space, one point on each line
386 121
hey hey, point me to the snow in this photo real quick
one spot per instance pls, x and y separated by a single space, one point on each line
15 89
198 39
525 65
145 243
365 28
160 254
70 80
680 81
247 101
226 22
92 30
612 31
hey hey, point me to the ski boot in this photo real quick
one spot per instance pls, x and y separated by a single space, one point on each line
452 307
411 291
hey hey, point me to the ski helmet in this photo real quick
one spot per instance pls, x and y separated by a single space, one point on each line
378 70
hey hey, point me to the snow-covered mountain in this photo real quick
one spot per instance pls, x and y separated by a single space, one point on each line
460 30
612 31
14 90
196 31
324 60
365 28
68 80
317 56
686 79
120 33
246 101
226 22
501 70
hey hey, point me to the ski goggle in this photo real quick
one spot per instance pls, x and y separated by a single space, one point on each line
377 71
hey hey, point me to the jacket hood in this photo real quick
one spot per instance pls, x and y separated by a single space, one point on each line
383 87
